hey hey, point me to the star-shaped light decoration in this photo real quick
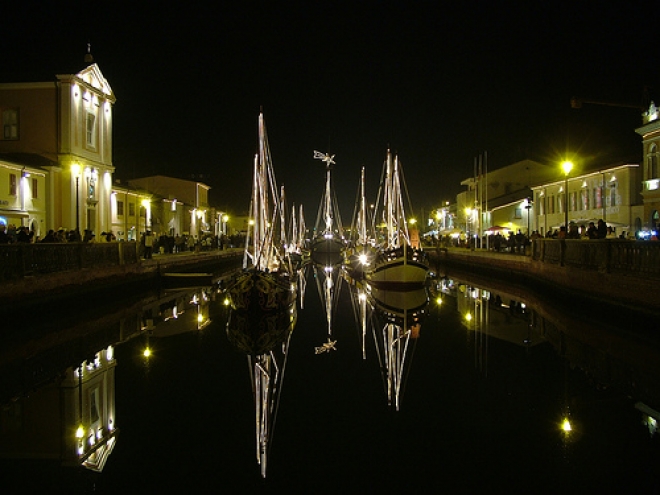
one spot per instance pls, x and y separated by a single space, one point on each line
326 157
326 347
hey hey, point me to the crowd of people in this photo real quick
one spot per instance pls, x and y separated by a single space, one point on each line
517 242
150 242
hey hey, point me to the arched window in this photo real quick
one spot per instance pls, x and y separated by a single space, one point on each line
652 163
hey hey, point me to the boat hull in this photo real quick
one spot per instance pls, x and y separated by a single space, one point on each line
259 291
327 251
399 271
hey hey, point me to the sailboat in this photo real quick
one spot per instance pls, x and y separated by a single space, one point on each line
362 251
401 264
327 246
263 297
267 282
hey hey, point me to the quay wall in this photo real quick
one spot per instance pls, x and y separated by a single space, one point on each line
619 273
63 272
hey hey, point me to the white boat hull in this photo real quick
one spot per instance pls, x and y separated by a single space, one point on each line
399 272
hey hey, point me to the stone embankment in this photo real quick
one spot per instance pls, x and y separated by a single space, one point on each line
103 281
632 290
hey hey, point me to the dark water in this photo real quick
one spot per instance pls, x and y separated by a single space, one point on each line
480 405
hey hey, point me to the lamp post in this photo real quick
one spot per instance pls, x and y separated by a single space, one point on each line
567 167
528 207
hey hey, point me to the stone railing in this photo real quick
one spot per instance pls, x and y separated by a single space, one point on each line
606 256
20 260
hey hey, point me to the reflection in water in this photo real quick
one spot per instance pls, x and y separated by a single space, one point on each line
608 356
264 336
328 282
400 316
57 412
512 375
395 319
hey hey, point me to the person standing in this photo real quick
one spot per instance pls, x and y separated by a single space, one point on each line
148 245
601 229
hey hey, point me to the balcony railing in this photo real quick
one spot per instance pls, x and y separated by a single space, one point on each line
607 255
20 260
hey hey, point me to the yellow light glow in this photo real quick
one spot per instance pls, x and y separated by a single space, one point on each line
567 166
225 218
413 221
145 203
200 318
468 317
147 352
80 432
226 301
363 259
438 300
566 426
75 169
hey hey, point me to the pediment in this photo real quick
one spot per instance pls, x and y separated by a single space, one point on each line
93 76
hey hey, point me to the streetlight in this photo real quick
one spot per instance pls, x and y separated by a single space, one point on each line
567 166
146 204
528 206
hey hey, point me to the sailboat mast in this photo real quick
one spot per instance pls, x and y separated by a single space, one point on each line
387 199
328 200
362 218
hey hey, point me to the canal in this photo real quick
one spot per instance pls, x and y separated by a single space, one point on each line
470 389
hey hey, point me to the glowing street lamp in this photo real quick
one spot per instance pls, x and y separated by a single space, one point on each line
567 166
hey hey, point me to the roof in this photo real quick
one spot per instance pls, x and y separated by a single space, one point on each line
29 160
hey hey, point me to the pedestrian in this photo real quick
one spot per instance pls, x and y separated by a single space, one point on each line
148 245
601 229
592 232
4 238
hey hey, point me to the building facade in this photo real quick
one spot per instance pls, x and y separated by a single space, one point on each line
180 206
611 194
66 125
23 197
650 132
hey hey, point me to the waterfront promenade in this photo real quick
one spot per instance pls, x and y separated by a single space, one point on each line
614 273
107 274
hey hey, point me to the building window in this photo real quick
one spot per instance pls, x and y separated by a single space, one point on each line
12 184
91 130
541 202
120 208
35 191
131 209
10 124
517 213
598 197
585 199
613 189
573 201
652 163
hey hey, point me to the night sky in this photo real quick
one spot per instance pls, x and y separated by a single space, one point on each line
438 83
